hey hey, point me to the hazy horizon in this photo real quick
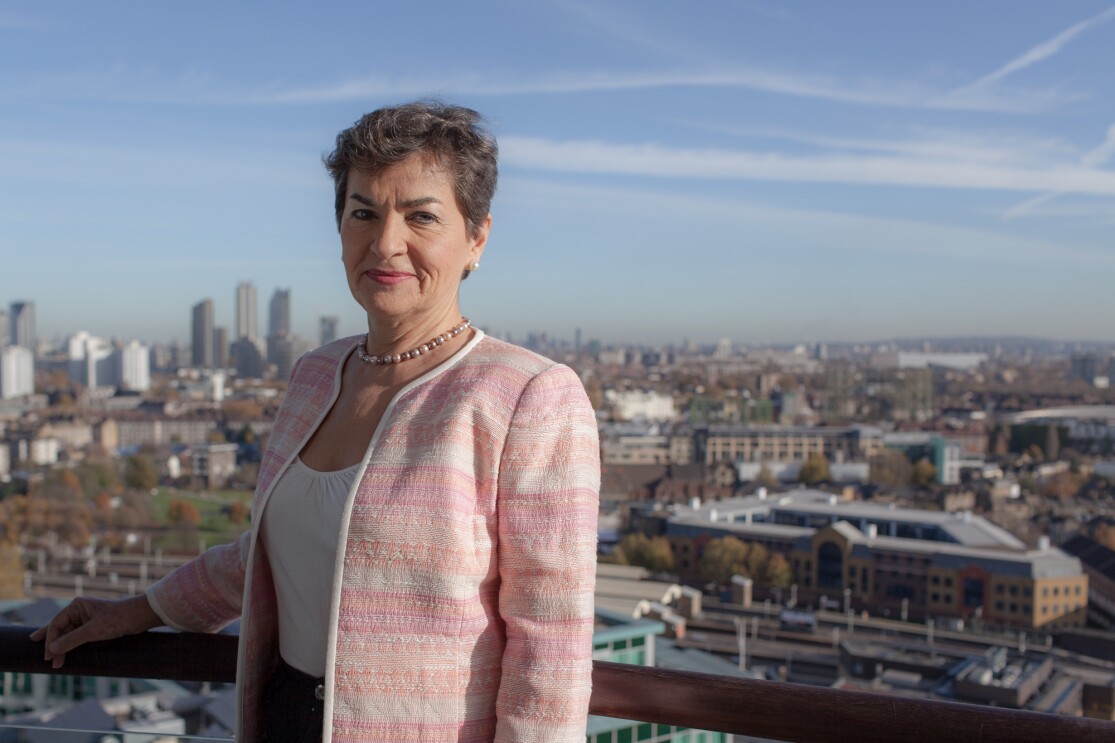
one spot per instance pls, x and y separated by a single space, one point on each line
762 171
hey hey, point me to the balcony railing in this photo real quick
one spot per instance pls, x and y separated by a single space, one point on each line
764 709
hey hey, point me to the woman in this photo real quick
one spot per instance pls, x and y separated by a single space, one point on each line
421 560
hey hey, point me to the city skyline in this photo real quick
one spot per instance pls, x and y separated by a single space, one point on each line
786 173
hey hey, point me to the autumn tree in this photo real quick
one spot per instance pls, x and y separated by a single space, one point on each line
814 470
1063 485
140 473
766 478
183 513
238 512
11 571
925 474
779 572
653 554
723 558
891 468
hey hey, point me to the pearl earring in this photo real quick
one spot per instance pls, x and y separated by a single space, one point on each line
473 265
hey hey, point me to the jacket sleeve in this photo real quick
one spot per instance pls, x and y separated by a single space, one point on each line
204 594
549 490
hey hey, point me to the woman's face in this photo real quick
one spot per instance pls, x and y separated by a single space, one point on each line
405 243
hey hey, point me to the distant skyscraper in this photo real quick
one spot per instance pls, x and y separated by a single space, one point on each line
17 372
220 347
279 324
3 328
278 331
90 361
328 325
134 367
247 357
202 335
246 308
21 321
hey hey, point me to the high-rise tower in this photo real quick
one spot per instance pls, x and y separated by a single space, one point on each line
21 320
202 334
279 324
246 307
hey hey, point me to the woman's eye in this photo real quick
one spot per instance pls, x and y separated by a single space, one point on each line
423 217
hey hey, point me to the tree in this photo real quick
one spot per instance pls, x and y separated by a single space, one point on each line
814 470
1063 485
653 554
925 474
140 473
891 468
11 571
779 572
766 478
183 513
723 558
237 512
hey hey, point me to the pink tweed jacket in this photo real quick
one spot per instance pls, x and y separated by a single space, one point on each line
463 596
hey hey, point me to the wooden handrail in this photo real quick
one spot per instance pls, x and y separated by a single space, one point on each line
766 709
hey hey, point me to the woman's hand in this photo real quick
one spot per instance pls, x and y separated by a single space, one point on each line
89 620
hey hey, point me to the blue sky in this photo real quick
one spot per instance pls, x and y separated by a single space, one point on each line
751 169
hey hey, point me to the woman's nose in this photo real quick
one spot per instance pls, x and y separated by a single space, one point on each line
391 238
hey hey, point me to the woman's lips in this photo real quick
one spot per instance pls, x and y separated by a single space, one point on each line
388 277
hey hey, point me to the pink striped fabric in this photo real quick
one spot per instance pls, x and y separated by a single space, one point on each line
466 601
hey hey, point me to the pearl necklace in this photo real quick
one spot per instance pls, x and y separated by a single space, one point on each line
430 345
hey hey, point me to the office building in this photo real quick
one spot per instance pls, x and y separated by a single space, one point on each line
17 372
3 328
90 361
278 332
133 362
202 334
279 315
248 358
21 325
894 560
328 329
246 306
220 347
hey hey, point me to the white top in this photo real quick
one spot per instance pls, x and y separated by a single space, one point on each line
300 529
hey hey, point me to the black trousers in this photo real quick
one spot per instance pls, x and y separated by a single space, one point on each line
293 706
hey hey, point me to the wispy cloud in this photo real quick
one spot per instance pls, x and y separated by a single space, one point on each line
995 147
847 231
1092 159
912 171
1042 51
196 87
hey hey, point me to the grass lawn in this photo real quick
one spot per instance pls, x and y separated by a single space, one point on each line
214 525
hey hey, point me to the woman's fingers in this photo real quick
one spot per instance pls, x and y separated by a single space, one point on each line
89 620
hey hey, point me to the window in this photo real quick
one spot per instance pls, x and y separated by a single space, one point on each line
1077 591
935 580
1045 591
1013 608
638 642
1014 590
646 731
1027 609
999 589
948 598
973 592
935 597
948 582
998 606
625 735
1028 592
